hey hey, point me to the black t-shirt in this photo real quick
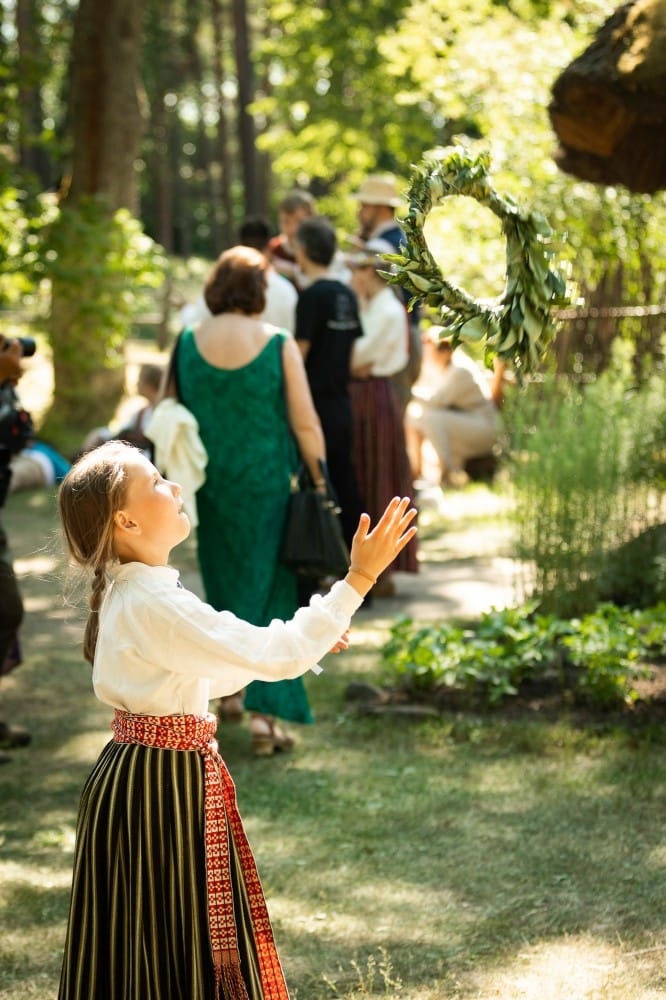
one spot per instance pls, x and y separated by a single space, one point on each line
327 318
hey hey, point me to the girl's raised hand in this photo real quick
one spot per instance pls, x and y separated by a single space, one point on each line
373 550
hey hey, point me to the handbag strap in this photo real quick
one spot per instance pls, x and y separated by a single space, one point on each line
302 480
323 468
171 387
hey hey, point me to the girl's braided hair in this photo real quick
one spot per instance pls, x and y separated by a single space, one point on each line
89 495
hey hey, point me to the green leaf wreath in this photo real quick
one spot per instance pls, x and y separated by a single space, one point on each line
519 325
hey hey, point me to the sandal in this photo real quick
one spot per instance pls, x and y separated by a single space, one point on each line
269 738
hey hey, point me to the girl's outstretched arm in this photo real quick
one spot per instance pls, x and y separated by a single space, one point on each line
373 550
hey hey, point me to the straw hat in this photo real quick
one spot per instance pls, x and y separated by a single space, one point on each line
379 189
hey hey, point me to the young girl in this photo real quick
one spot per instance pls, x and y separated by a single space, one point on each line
166 900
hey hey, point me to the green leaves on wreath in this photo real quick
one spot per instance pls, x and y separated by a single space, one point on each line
519 325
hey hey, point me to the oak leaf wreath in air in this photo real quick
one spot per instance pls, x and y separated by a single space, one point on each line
519 325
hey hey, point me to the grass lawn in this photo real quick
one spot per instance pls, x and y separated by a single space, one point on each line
463 857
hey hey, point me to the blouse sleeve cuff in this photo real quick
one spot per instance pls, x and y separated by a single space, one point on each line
342 600
345 597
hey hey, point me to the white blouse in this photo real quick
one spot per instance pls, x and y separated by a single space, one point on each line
163 651
385 340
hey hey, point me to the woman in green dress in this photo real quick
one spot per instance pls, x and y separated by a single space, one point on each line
245 383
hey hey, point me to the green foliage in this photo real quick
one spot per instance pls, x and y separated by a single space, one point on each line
100 265
489 662
20 261
583 462
106 259
609 645
332 93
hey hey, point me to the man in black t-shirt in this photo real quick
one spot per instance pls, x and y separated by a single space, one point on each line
327 323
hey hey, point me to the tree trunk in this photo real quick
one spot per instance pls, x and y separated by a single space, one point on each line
29 71
226 209
161 14
609 106
89 313
245 74
105 114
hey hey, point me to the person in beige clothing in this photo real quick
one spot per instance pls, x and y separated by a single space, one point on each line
453 412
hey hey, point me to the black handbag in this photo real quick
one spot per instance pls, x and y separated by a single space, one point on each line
313 544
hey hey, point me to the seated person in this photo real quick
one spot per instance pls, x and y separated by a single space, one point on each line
149 385
37 465
452 409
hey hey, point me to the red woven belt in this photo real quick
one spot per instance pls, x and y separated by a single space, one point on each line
197 732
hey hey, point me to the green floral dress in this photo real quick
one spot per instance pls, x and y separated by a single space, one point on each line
242 505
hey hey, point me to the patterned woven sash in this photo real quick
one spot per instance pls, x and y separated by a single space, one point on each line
197 732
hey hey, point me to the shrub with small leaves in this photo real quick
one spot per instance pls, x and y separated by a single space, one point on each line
605 651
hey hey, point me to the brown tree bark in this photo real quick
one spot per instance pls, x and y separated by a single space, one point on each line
161 13
89 317
246 132
609 105
226 209
105 113
29 70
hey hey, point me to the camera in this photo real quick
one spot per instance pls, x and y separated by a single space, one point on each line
16 427
28 346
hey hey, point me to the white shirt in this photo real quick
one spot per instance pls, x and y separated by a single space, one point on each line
281 299
384 343
456 387
280 307
163 651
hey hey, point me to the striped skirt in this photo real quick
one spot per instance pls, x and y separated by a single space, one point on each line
380 453
143 905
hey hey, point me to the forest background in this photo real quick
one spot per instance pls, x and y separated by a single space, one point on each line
135 135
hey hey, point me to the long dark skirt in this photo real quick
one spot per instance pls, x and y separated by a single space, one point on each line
138 923
380 453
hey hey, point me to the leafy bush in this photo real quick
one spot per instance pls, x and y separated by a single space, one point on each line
585 465
102 268
604 652
20 265
609 646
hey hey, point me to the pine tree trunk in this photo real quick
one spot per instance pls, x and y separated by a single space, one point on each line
104 108
245 74
88 325
33 155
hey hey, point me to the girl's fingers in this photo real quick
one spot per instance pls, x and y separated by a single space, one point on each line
362 530
401 516
407 537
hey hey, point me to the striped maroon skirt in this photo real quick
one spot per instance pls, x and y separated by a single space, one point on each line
161 909
380 453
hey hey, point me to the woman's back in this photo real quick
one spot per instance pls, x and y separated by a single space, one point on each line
243 424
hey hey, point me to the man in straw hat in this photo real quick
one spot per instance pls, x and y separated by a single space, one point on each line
378 199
